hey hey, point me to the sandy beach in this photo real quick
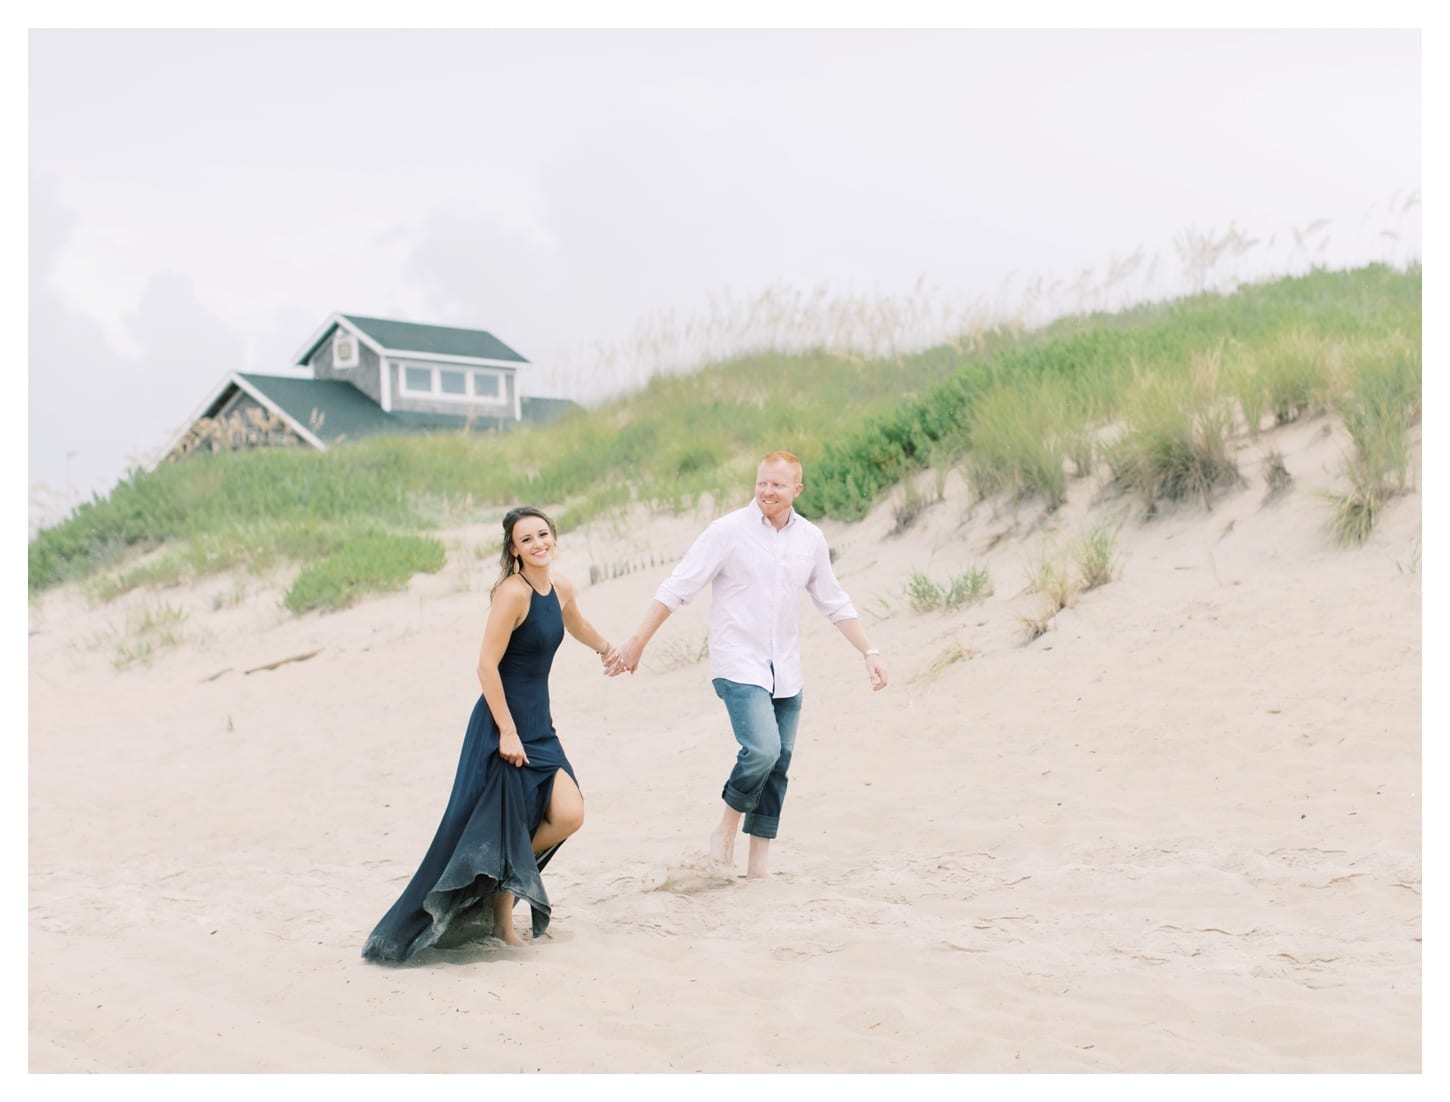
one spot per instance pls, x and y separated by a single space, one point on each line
1178 832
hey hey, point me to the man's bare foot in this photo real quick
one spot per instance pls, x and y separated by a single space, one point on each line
758 865
722 838
722 846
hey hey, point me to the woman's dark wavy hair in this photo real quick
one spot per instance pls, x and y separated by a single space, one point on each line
508 562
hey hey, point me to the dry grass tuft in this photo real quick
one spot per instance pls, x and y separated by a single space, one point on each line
1276 476
1050 578
230 598
1381 407
148 630
907 506
945 659
1034 627
1095 553
678 653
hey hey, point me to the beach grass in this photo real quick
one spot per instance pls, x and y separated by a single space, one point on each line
1050 577
149 629
1380 404
925 594
1176 440
1276 474
1095 553
1155 393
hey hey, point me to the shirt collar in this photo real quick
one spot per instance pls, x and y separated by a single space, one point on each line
766 520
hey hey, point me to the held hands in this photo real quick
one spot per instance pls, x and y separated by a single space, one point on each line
511 749
624 659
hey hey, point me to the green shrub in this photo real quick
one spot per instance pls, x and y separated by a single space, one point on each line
368 561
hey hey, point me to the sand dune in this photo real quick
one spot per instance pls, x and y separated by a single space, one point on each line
1179 832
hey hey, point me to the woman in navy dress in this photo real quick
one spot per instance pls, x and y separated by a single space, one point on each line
515 797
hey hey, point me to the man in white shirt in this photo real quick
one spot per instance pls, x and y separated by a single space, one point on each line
756 561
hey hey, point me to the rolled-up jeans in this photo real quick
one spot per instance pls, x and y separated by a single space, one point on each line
765 728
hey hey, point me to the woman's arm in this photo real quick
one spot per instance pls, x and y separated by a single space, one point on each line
510 606
574 622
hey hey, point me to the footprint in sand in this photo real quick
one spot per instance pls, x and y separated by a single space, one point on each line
694 873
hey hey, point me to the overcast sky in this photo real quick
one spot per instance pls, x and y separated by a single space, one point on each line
200 201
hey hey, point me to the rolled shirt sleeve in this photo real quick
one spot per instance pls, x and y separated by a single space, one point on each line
696 570
830 599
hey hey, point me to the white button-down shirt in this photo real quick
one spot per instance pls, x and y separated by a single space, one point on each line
756 575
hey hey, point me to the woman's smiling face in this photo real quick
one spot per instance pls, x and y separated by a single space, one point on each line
533 541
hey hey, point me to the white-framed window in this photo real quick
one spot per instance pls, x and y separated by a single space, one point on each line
451 384
344 349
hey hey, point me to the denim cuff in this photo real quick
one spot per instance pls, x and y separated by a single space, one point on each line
761 826
736 800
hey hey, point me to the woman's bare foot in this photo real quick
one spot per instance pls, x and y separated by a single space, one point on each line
503 919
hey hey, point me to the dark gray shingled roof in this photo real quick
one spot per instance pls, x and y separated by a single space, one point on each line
442 340
348 412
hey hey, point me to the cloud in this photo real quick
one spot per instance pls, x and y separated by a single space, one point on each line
95 412
184 347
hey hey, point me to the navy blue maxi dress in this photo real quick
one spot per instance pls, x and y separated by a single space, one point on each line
483 844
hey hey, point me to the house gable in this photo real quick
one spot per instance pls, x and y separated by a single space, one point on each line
406 367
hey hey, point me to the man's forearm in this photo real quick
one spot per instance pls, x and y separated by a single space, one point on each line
629 655
855 634
657 614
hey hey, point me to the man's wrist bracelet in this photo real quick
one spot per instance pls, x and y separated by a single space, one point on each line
869 653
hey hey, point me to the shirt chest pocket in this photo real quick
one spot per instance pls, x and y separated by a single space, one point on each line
797 568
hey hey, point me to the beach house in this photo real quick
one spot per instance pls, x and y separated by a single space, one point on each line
359 376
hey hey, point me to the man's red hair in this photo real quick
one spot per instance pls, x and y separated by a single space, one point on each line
785 457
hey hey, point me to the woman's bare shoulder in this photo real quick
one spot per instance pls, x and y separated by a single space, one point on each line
511 595
563 585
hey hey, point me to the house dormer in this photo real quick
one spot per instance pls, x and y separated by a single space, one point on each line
344 348
409 368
